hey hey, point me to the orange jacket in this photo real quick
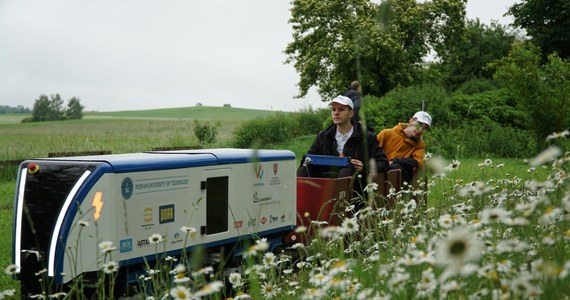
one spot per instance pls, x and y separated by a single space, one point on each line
397 144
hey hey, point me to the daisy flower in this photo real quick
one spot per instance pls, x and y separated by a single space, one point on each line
209 289
186 229
12 269
549 215
180 293
106 247
493 215
349 226
269 259
155 238
330 232
460 247
301 229
269 290
549 154
236 280
427 284
319 279
398 281
261 245
371 187
111 267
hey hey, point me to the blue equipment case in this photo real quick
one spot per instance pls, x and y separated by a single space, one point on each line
326 160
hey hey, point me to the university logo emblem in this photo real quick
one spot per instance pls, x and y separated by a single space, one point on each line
127 188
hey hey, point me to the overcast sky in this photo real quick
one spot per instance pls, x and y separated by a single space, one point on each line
142 54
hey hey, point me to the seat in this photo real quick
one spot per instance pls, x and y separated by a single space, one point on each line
385 182
322 200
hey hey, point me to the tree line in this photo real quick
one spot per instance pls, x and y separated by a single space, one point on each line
52 109
6 109
484 84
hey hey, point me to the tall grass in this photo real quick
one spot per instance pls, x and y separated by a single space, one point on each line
21 141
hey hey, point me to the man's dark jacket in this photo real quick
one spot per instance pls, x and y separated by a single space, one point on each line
356 147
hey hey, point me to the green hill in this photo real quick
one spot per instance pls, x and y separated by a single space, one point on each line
195 112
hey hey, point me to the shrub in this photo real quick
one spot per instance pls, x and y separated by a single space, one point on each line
264 132
309 122
476 85
400 104
479 140
206 133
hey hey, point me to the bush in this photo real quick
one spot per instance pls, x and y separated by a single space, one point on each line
401 104
475 86
310 122
206 133
478 139
263 132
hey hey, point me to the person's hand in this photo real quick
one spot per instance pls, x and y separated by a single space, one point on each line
357 164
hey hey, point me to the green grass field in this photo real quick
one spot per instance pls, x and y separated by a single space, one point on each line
206 113
118 132
523 255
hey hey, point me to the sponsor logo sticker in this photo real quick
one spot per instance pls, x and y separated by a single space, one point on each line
251 222
238 224
273 219
166 213
147 214
257 198
259 175
126 245
177 238
143 243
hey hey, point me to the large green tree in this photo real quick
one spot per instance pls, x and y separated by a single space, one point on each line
41 110
74 109
383 45
547 22
468 57
541 90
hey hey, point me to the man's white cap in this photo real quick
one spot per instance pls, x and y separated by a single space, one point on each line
423 117
344 101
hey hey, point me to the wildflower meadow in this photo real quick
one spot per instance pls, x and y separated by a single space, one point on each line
505 238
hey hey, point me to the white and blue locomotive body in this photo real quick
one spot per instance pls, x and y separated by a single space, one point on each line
65 207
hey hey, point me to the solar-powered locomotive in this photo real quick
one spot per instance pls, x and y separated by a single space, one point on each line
66 207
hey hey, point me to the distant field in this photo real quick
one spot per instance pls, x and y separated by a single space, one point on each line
195 112
11 119
118 132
